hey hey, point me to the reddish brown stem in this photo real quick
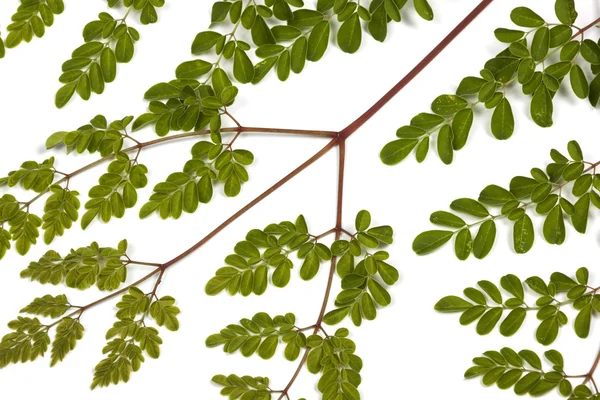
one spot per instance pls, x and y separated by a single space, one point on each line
587 27
338 230
155 142
110 296
590 375
339 139
322 235
349 130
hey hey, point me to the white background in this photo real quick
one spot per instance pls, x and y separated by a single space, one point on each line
410 350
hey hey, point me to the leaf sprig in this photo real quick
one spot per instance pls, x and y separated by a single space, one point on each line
523 371
332 356
191 106
108 41
202 86
247 270
486 305
539 59
31 19
544 193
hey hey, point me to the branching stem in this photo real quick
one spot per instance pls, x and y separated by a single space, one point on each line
142 145
338 139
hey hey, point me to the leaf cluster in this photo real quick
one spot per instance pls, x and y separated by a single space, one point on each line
335 359
108 41
245 387
266 253
528 60
30 338
487 306
187 104
212 163
523 372
31 19
96 137
363 280
116 190
130 339
544 193
146 8
285 34
82 268
261 335
31 176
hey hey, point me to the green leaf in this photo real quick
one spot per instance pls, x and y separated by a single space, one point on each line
444 144
268 347
350 34
318 41
55 139
448 104
336 316
220 10
489 320
554 226
513 285
579 82
508 35
424 10
581 215
583 322
492 290
444 218
523 235
513 322
378 25
495 195
540 44
565 11
429 241
298 55
547 332
124 49
542 107
502 68
162 91
396 151
526 18
363 221
503 121
108 64
193 69
484 240
205 41
461 126
590 51
243 69
64 94
470 206
452 304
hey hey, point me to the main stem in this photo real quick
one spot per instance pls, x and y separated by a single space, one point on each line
338 231
347 132
338 140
